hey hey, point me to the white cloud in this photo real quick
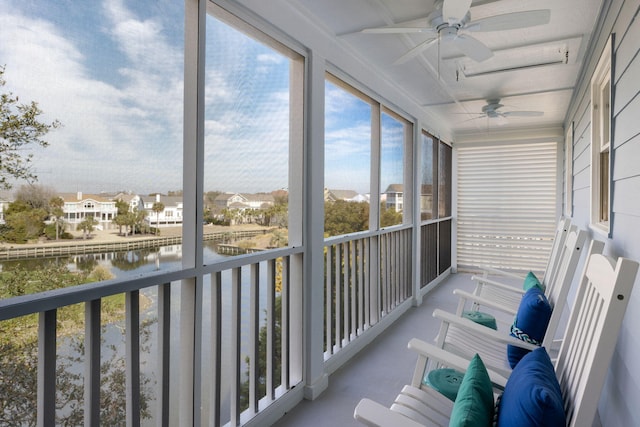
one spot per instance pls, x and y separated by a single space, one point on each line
123 132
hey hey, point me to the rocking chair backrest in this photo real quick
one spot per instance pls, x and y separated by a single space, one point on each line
591 334
562 230
558 289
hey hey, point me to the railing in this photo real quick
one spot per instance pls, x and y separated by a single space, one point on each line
247 350
366 277
86 247
230 333
435 250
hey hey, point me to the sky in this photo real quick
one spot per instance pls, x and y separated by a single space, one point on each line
112 73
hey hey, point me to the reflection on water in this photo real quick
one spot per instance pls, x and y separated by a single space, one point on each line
122 264
129 264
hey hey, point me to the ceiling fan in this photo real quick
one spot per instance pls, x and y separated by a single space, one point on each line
492 111
450 22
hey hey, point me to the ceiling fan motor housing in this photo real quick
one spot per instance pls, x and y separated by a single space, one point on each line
491 108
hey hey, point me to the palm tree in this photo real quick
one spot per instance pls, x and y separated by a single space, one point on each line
87 226
157 208
55 207
121 218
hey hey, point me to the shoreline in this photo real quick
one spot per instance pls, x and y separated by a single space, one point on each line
110 240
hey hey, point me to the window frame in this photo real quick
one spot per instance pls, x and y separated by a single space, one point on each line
568 171
378 108
601 137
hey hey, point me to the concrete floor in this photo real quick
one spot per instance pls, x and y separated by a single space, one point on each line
381 370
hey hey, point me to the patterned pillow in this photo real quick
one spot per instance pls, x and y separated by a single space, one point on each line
530 323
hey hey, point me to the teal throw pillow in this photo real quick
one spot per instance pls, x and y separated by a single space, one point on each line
530 281
481 318
474 404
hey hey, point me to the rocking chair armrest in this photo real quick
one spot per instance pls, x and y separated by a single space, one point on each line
477 329
432 352
374 414
497 284
467 296
499 272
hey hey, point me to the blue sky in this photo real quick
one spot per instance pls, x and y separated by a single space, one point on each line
112 72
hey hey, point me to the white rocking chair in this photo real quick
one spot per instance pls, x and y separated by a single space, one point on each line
556 289
581 367
508 295
466 338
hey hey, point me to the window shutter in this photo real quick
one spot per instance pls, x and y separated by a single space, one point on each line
507 202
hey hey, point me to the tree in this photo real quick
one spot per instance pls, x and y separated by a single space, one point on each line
342 217
157 208
87 225
389 216
20 128
35 195
137 220
121 217
23 222
19 350
57 213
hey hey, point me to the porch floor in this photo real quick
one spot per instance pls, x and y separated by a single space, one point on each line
381 370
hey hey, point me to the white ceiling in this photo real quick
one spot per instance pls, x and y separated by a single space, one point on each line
533 69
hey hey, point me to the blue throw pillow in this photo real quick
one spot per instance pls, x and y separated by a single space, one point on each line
474 404
532 396
530 323
530 281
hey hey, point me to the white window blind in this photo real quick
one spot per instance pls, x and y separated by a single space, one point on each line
507 202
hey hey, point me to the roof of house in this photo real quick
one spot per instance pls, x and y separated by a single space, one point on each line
340 194
79 197
259 197
394 188
165 200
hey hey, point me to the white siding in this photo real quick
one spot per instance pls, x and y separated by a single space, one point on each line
618 403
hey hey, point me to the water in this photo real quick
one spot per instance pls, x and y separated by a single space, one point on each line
124 265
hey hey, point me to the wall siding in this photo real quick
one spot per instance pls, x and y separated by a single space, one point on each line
618 403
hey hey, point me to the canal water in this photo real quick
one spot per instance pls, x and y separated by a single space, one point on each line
124 265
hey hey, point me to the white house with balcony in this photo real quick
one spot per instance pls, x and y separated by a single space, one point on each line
134 201
393 197
171 215
243 201
78 206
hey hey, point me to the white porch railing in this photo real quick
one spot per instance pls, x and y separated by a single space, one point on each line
369 275
248 347
245 319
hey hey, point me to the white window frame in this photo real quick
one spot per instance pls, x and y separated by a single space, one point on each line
568 171
601 130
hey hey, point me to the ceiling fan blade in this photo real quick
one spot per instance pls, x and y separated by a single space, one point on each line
479 116
523 114
392 29
455 10
419 25
473 48
511 21
499 120
415 51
